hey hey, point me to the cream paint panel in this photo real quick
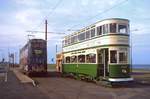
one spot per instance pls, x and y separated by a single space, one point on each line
105 40
111 21
88 51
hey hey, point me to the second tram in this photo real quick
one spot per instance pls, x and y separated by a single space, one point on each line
33 57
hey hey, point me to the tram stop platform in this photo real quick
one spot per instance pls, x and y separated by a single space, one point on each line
22 77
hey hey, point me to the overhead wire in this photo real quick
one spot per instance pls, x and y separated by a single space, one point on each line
103 12
50 13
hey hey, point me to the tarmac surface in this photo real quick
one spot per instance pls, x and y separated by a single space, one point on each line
55 87
14 89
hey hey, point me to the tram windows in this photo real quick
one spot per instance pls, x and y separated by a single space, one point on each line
112 28
91 58
100 57
73 39
99 30
122 28
113 56
81 58
73 59
81 36
87 34
69 41
105 29
66 42
68 59
122 57
93 32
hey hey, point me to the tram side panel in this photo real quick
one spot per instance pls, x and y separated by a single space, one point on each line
81 69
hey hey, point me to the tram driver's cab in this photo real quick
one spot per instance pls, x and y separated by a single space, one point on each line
113 63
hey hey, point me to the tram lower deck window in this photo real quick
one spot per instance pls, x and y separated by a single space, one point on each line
81 58
91 58
68 59
73 59
113 56
122 57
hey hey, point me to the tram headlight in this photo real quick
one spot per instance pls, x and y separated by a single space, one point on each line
124 71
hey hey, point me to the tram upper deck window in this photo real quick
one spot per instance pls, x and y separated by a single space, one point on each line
68 59
105 29
87 34
99 30
93 32
65 42
81 36
73 39
112 28
122 28
91 58
69 40
113 56
122 57
81 58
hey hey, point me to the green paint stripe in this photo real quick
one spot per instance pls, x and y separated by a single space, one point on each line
86 69
117 71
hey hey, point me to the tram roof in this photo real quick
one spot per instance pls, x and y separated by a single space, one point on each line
82 29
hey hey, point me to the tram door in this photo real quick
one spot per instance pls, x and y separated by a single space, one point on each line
102 62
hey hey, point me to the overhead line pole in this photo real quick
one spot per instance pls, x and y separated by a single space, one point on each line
46 30
46 39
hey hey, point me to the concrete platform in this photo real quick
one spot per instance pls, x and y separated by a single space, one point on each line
23 78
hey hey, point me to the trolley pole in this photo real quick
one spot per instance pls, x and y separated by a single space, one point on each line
46 30
46 39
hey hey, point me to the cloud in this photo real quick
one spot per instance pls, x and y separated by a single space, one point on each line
27 2
28 17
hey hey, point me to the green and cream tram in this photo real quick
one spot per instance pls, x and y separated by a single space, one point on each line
100 51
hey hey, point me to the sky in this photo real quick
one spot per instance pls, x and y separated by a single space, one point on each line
19 16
